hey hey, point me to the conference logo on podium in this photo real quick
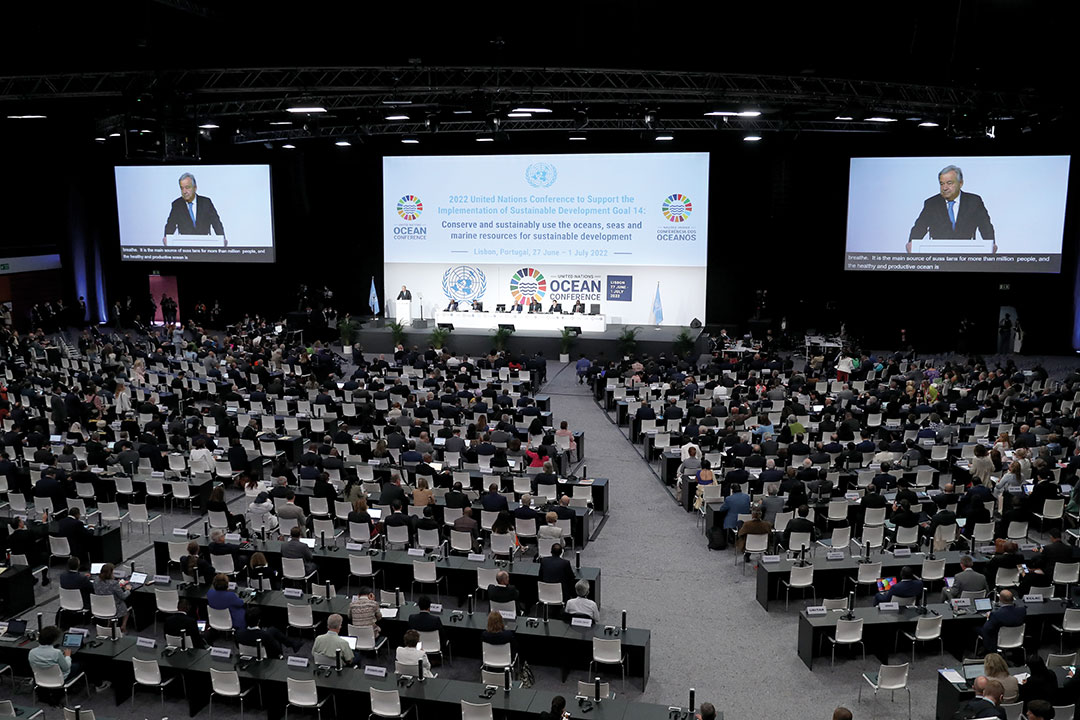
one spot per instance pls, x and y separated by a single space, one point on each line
527 285
677 208
464 283
409 207
541 174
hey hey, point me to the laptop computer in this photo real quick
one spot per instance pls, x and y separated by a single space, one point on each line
973 670
983 605
885 583
72 640
138 578
15 629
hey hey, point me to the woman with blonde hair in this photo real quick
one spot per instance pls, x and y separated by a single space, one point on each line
995 668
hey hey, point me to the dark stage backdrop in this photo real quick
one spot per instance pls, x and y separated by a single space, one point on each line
778 213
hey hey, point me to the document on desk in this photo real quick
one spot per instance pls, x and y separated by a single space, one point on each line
953 676
389 613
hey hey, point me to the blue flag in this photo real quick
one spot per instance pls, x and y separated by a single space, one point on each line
657 308
373 298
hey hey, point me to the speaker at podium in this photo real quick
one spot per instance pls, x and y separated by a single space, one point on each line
403 310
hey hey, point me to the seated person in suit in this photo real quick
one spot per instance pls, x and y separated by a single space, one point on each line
535 307
579 307
182 623
478 306
72 579
1007 615
967 580
273 639
502 591
452 306
518 306
556 307
908 587
424 621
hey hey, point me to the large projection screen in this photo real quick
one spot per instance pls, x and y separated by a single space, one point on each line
612 230
958 214
225 215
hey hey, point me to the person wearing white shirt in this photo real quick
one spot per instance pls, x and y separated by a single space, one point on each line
582 605
408 654
201 460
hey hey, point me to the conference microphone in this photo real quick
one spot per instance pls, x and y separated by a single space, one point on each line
624 621
470 604
506 679
596 694
691 708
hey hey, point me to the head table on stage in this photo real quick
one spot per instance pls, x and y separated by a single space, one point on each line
470 320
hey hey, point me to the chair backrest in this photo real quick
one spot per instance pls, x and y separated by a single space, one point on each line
103 606
496 655
475 711
147 672
798 540
48 676
759 542
219 618
893 677
933 569
802 576
304 693
869 572
607 650
384 703
849 631
360 565
1064 712
424 571
293 568
1013 711
1060 660
551 593
1011 637
72 600
69 713
225 682
928 628
167 599
1067 573
300 616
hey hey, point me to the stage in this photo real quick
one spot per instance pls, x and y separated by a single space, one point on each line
375 338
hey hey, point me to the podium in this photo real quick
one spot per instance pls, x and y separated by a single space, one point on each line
952 247
403 311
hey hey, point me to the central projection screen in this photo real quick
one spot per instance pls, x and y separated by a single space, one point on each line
610 230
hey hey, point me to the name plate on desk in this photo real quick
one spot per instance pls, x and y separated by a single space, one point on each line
958 603
416 552
232 537
901 552
162 580
220 652
835 555
889 607
295 661
1027 546
476 557
508 614
179 532
770 558
375 671
851 496
158 474
581 622
986 549
354 546
1033 598
436 607
816 610
292 592
232 586
145 642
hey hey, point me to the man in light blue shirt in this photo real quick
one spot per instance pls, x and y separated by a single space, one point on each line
583 366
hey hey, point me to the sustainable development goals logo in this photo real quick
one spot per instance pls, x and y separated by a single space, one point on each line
528 284
677 208
409 207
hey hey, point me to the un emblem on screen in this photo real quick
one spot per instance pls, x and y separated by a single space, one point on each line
464 283
541 174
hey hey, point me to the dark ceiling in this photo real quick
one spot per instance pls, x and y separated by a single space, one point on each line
169 65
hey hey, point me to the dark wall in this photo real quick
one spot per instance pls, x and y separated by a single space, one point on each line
777 225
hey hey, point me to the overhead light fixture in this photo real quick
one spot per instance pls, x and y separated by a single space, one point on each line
397 102
878 118
733 113
843 117
99 139
928 124
752 138
26 117
578 137
343 143
145 132
463 112
532 110
518 114
749 113
306 109
484 138
410 141
209 126
397 117
115 134
665 138
282 122
288 146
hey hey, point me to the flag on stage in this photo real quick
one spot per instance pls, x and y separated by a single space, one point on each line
373 298
657 308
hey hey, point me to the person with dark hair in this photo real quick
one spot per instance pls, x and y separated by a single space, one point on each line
908 587
423 620
1041 682
48 654
72 579
107 584
840 713
273 639
294 549
557 569
220 597
184 621
558 705
193 563
707 711
1039 710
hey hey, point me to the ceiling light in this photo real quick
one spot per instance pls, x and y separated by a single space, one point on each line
485 139
518 114
282 122
288 146
25 117
114 134
720 113
749 113
397 117
664 138
752 138
208 126
410 141
99 139
343 143
532 110
397 102
578 137
463 112
306 109
842 117
928 124
878 118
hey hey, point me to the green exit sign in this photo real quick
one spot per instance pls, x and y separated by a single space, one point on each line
4 266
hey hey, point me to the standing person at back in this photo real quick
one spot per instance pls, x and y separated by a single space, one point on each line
557 569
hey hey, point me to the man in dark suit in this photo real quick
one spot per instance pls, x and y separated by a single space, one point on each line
988 695
800 524
424 621
950 214
77 534
557 569
579 307
404 294
534 306
908 587
556 307
452 306
1008 615
192 214
503 591
175 622
72 579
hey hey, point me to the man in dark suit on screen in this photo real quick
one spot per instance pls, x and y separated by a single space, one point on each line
952 215
191 213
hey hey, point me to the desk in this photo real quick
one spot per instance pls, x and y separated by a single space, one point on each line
16 590
522 321
950 695
396 566
880 628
